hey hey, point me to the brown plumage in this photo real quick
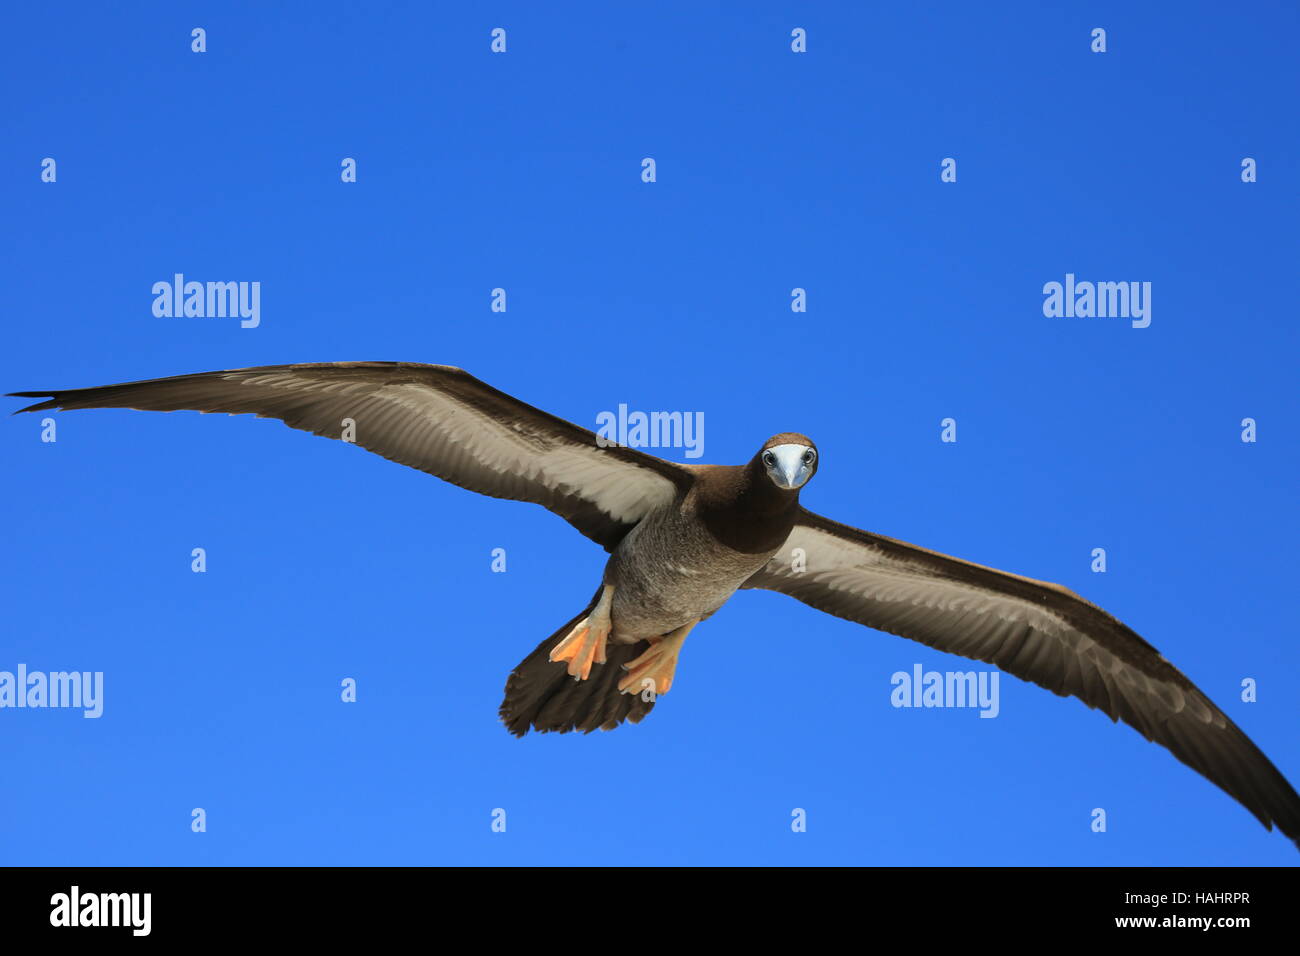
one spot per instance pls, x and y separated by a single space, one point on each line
683 539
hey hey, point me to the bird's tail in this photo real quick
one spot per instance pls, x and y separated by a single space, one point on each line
540 695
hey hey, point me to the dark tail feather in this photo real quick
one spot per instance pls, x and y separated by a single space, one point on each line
541 696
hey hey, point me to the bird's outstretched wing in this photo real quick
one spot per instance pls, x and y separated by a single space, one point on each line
1036 631
435 418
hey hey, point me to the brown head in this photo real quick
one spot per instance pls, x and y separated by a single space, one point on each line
789 460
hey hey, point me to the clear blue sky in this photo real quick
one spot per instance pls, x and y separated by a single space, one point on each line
775 170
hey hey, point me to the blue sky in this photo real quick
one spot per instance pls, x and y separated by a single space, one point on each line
522 171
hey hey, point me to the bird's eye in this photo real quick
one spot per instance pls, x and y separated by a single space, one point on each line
769 458
808 456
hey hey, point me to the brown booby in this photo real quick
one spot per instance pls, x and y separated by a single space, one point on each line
684 538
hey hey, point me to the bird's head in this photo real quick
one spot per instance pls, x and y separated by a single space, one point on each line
789 459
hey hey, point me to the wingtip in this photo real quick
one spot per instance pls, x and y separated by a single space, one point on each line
36 407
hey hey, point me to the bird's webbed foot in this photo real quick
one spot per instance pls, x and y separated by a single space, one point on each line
654 670
585 644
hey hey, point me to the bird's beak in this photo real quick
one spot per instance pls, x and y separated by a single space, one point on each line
787 473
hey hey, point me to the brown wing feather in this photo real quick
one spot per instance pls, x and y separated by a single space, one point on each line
436 418
1034 630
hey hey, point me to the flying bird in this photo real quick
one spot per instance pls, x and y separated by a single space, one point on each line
682 539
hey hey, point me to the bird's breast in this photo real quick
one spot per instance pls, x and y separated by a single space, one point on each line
669 571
